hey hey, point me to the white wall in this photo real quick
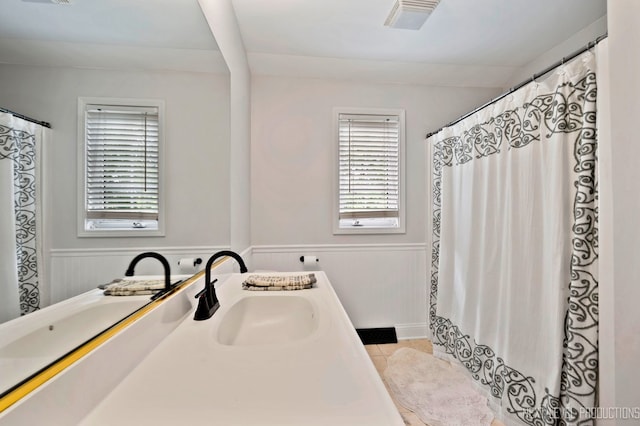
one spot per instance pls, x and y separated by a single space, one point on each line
624 64
196 153
196 145
292 160
556 53
380 279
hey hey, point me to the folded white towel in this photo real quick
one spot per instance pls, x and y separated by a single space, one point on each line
122 287
279 282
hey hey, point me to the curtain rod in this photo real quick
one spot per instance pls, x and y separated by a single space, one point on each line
555 65
24 117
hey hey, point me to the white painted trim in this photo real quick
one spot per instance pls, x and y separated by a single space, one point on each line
338 247
412 331
401 229
119 251
83 101
249 250
44 216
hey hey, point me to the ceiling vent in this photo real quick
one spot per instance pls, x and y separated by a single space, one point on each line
410 14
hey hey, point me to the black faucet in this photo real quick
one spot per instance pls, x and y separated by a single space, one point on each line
208 302
165 264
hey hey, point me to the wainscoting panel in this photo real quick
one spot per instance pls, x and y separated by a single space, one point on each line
74 271
379 285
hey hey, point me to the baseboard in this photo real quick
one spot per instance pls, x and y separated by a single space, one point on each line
412 331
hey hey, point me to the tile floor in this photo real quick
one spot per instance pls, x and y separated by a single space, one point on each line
379 355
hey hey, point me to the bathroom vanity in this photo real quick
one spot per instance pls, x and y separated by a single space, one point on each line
265 358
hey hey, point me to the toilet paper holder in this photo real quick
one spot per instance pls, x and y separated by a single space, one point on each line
197 261
302 259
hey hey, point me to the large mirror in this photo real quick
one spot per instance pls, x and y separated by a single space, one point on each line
54 53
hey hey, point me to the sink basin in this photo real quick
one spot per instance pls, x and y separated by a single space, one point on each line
267 320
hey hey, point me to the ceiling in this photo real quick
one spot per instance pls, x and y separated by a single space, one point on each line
466 32
464 42
129 34
153 23
476 42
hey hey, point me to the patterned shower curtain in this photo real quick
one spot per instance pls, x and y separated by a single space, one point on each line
19 216
514 288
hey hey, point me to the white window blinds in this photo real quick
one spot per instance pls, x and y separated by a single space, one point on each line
121 162
369 166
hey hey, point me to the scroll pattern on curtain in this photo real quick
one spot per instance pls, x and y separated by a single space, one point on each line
19 146
570 109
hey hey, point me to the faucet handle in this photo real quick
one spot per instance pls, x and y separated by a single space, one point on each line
204 289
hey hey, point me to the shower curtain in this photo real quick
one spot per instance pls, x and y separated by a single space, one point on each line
514 290
20 250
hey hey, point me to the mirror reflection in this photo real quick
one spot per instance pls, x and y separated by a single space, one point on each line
55 59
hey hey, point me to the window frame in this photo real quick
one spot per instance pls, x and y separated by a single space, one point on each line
82 168
401 228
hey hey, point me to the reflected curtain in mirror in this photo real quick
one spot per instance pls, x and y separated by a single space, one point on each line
19 216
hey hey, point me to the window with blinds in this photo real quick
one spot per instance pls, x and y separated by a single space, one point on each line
369 171
122 173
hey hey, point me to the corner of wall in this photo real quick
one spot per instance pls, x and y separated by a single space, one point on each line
556 53
223 23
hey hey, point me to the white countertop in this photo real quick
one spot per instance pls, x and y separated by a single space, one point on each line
324 379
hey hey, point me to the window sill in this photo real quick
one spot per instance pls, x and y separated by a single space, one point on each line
120 228
368 231
369 226
355 230
121 233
